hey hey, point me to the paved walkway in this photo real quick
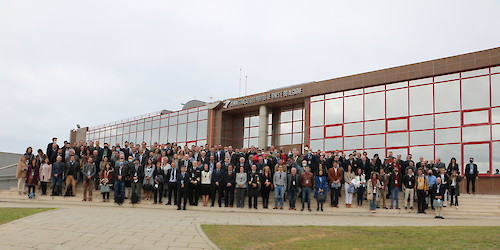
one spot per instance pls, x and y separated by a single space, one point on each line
73 226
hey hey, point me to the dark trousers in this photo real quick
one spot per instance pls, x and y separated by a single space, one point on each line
57 185
158 193
44 187
454 196
254 199
217 190
119 191
472 180
360 191
194 194
293 196
182 197
229 196
240 197
431 198
105 196
172 188
334 196
421 200
265 197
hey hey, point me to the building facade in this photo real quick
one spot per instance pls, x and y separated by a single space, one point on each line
444 108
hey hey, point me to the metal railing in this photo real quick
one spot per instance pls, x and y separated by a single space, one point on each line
9 166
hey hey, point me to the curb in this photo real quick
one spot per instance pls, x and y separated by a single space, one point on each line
204 236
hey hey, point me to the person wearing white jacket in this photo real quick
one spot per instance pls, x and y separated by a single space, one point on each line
348 177
360 183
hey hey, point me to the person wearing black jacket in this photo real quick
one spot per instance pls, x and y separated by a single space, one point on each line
194 183
253 187
218 184
159 178
171 181
72 168
182 188
230 184
137 174
439 190
471 174
395 185
121 172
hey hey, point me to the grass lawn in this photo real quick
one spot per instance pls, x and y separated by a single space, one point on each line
10 214
316 237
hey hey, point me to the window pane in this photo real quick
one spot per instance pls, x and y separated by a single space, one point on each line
447 77
316 144
495 90
421 99
317 98
448 135
353 108
397 125
172 134
333 131
333 144
140 137
353 129
156 123
297 126
285 128
286 139
495 129
446 152
448 120
297 138
374 141
446 96
192 116
181 132
397 103
316 133
375 127
495 115
334 111
396 85
286 116
481 155
421 122
427 152
495 155
475 92
420 81
355 142
163 135
202 129
191 131
375 106
203 115
254 131
397 139
476 117
298 114
476 133
254 121
422 137
172 120
253 142
317 113
477 72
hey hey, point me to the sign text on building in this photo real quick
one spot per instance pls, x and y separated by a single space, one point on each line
263 97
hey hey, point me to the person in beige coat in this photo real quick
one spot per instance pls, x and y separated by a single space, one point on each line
373 191
22 168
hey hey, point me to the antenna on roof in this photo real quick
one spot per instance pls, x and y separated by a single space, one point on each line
246 84
239 89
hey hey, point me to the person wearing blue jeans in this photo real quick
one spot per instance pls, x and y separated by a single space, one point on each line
279 181
307 182
121 173
395 185
372 191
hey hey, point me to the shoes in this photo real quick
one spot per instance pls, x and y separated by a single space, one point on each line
281 208
184 208
309 209
178 208
302 209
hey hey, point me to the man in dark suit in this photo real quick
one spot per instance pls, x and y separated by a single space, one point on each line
471 174
49 147
137 174
217 183
121 172
142 156
182 188
203 159
194 183
185 162
230 183
171 179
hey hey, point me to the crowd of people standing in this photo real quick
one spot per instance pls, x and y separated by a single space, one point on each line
226 176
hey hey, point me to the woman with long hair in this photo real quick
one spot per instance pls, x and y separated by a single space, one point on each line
106 179
22 168
372 191
349 188
148 182
360 178
267 186
32 177
45 174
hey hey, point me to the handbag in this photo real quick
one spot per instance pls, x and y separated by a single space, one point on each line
321 197
335 185
104 188
351 189
438 203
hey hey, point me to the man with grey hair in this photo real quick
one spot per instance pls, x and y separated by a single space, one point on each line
57 176
89 172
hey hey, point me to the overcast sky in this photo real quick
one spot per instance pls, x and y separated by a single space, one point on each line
64 63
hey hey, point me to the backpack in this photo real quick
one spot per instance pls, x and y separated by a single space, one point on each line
135 198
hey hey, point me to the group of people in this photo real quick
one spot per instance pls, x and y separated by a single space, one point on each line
227 175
